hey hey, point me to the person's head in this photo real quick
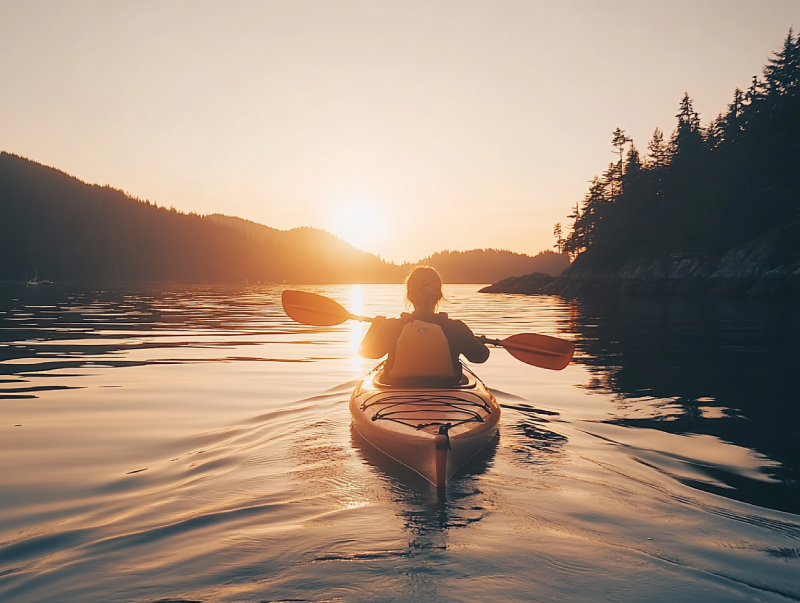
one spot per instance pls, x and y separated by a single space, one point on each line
424 288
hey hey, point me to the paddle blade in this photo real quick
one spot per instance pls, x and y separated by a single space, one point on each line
313 309
540 350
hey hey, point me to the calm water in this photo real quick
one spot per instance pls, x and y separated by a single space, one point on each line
193 444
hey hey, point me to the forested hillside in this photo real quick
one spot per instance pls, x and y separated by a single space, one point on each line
71 231
66 230
491 265
705 189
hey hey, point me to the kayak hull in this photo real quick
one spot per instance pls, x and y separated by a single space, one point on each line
433 431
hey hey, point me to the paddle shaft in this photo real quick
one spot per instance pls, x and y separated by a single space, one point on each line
527 347
538 350
362 318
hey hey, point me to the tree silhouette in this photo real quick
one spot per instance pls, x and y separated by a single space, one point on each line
709 188
781 72
657 150
687 141
619 141
574 244
633 161
558 233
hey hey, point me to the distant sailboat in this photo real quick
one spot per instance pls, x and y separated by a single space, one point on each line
35 282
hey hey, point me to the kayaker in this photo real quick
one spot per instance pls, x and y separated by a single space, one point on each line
424 346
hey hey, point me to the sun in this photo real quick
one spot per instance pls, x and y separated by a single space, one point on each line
363 225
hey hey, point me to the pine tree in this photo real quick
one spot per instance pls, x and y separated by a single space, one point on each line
575 243
558 233
658 156
753 97
658 153
733 124
614 174
633 162
687 140
714 133
594 204
782 72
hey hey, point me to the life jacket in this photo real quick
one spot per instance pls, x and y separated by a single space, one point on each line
422 353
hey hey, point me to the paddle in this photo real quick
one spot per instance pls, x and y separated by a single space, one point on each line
531 348
313 309
539 350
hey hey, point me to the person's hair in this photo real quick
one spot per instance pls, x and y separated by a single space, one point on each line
424 287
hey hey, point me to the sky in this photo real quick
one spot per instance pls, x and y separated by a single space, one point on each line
405 127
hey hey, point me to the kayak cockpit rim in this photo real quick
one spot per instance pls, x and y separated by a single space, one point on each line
468 380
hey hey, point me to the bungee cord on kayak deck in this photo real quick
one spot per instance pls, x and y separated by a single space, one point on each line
432 431
413 405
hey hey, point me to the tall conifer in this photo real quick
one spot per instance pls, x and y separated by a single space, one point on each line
657 151
687 140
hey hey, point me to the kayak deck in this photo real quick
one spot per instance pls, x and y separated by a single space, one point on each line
433 431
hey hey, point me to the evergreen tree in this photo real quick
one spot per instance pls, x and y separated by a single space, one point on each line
658 152
753 97
558 233
633 163
732 123
614 174
708 189
594 204
714 133
575 243
781 72
687 141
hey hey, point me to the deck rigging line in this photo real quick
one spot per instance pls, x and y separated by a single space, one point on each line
467 405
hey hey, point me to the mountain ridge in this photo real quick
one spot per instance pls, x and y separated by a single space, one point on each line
69 230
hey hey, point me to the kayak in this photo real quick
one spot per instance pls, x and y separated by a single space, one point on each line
433 431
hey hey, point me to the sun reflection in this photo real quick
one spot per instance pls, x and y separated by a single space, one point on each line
356 300
357 329
356 504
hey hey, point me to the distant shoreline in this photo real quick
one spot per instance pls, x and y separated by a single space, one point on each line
65 230
754 270
221 283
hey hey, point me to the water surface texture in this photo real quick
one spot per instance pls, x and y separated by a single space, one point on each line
194 444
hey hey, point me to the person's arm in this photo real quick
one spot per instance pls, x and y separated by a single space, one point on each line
469 345
380 338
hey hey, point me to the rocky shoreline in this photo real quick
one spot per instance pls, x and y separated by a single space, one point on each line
529 283
757 269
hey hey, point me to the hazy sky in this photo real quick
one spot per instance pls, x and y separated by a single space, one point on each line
406 127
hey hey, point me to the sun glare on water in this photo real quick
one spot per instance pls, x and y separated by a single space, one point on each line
357 329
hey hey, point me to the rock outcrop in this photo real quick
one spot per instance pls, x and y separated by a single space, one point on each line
529 283
756 269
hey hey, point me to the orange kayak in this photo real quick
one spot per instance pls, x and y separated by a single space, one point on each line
433 431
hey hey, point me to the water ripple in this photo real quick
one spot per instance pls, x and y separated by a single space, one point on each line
189 443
